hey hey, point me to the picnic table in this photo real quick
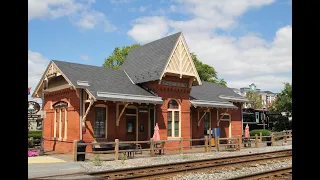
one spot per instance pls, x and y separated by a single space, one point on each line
129 149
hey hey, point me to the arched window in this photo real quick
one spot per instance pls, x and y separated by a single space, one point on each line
60 120
173 119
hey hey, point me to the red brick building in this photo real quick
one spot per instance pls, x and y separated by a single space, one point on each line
157 83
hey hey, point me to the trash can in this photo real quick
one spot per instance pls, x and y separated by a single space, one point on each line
81 148
213 142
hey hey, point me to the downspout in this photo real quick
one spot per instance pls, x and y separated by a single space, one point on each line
241 119
80 122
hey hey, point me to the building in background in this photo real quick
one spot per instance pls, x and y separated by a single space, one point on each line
267 97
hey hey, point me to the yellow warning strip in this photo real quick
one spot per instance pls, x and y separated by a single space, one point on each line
34 161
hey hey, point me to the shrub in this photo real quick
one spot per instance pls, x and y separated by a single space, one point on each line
35 134
257 131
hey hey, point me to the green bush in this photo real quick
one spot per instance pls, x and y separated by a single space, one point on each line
35 134
257 131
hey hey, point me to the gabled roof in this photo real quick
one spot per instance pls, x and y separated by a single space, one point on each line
147 62
103 83
214 95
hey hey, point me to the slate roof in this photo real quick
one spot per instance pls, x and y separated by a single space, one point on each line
211 92
147 62
100 79
142 64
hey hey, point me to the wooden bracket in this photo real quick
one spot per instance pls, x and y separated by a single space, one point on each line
87 111
208 109
221 117
118 118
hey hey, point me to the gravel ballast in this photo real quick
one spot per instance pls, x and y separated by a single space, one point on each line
235 172
164 159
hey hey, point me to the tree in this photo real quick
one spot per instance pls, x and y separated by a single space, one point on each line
205 71
116 59
283 107
283 102
255 98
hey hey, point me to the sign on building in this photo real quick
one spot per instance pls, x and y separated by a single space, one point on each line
33 107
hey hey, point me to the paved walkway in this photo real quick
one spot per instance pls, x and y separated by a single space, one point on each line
41 166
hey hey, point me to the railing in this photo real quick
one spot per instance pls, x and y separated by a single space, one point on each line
232 143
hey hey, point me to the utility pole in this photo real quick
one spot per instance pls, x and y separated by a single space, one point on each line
42 98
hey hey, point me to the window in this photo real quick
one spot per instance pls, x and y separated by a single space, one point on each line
225 117
206 125
60 120
173 119
100 122
257 117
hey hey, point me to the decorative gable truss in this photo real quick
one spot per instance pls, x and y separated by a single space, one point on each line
180 62
60 82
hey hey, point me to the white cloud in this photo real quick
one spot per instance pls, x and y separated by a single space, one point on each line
142 8
36 67
80 13
239 60
84 57
149 28
118 1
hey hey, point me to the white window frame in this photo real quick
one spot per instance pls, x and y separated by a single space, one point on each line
173 135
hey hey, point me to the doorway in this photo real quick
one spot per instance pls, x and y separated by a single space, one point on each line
131 123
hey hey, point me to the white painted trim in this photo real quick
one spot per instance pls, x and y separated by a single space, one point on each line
168 60
128 77
173 135
106 122
55 124
43 76
82 83
184 44
60 124
65 123
129 96
232 98
212 103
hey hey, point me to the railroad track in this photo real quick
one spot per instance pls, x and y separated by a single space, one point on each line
275 174
164 171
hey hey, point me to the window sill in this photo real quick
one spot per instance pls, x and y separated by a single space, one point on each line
174 138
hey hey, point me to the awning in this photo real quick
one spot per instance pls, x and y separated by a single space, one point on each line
128 98
234 99
202 103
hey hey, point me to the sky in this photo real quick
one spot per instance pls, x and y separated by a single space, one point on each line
246 41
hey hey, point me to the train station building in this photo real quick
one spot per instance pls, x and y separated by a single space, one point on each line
157 83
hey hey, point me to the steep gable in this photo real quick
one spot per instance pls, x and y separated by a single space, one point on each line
147 62
180 62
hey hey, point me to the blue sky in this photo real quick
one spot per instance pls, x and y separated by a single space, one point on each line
244 40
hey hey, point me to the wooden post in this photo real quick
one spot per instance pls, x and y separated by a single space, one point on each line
256 141
116 150
218 144
210 137
272 139
285 138
151 147
75 150
180 146
206 144
260 137
239 142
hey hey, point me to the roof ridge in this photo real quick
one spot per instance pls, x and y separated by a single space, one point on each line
156 40
85 65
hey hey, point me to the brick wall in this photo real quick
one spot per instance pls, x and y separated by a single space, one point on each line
181 94
71 98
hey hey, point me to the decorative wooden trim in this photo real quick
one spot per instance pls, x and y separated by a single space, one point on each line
205 112
119 117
